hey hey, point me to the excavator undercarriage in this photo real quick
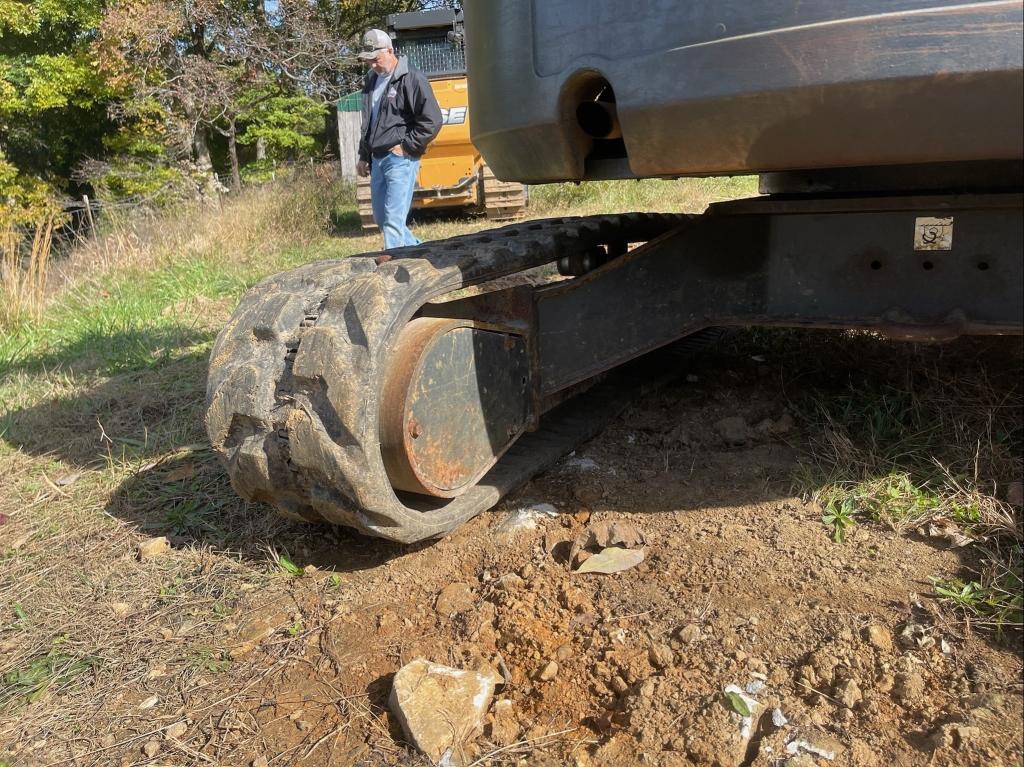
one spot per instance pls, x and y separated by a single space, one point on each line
373 392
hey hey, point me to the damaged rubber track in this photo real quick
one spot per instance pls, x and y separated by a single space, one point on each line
295 377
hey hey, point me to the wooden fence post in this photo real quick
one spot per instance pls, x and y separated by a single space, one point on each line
88 215
348 143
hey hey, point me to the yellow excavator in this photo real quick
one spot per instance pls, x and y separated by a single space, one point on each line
452 172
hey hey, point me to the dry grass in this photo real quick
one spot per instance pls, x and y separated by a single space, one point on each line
24 270
245 230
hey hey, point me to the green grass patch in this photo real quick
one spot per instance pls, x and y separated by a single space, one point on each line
671 196
53 671
996 599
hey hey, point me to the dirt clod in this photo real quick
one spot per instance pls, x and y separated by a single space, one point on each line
455 598
878 637
151 748
153 548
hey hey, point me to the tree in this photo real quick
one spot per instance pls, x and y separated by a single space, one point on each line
53 100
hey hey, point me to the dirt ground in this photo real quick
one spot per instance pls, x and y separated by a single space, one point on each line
741 585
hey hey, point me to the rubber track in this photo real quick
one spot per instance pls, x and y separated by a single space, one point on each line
503 200
295 375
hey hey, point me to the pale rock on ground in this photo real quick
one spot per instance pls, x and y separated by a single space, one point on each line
441 709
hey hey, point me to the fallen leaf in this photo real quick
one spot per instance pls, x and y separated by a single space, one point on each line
946 528
68 479
149 702
612 560
738 704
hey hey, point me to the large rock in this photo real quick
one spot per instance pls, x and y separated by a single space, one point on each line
441 709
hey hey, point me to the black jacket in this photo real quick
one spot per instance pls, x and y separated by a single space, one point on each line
409 114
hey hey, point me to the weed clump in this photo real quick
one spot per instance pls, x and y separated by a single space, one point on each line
924 446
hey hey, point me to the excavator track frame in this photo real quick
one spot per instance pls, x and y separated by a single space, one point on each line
297 378
296 375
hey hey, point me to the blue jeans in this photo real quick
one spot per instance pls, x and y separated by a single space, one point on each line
392 180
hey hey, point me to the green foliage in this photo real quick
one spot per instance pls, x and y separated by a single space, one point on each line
839 518
996 600
285 124
737 703
52 95
26 200
211 660
128 178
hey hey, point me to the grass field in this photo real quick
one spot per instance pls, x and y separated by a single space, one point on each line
101 447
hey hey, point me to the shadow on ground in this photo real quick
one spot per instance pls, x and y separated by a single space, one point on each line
151 418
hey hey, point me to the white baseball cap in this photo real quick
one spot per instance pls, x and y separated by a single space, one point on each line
374 40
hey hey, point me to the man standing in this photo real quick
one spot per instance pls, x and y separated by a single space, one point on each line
400 117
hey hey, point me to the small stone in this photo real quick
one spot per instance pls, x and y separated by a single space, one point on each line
963 735
152 748
549 672
878 637
509 582
527 571
260 761
120 609
734 430
441 709
619 685
689 633
302 725
153 548
149 702
849 693
176 730
454 598
660 655
909 687
563 653
108 740
779 719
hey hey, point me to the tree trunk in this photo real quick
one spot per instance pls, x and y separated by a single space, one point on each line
201 147
236 176
261 148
